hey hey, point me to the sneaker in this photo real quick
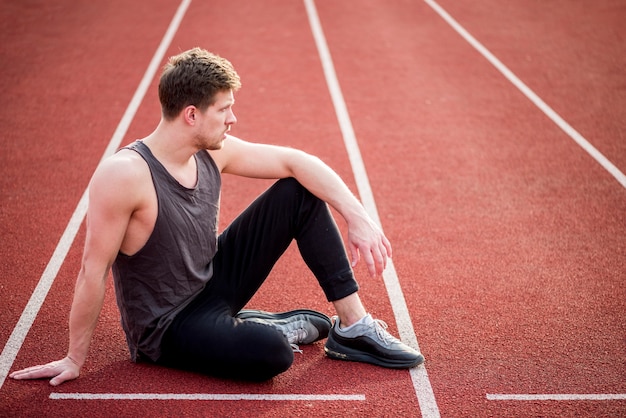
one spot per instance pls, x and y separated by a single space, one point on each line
368 341
301 326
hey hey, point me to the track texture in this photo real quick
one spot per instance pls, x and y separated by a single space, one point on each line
509 239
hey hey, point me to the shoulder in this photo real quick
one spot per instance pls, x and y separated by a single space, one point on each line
124 175
125 165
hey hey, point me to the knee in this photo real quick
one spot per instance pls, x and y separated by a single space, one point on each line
290 190
268 354
278 359
289 187
279 362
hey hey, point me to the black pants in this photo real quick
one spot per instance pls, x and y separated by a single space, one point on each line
205 337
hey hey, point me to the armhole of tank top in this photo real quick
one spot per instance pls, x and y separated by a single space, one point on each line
133 147
213 165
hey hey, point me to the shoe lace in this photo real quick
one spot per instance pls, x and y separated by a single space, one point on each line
381 332
296 335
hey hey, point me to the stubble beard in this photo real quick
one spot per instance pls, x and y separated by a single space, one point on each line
208 144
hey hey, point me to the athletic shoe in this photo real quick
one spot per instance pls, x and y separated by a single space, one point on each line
301 326
368 341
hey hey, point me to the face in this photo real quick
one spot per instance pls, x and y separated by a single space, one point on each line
215 121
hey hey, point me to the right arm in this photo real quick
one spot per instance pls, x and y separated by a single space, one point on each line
113 197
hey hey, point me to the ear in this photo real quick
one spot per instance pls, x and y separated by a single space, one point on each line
190 113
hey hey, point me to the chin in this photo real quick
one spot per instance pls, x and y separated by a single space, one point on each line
216 147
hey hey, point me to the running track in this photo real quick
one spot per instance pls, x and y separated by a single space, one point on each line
508 235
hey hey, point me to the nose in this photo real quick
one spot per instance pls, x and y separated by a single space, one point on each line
231 119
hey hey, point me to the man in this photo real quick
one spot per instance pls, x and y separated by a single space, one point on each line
180 288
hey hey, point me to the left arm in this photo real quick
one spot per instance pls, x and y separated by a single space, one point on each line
272 162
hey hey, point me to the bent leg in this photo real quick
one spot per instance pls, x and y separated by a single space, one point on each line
205 338
253 243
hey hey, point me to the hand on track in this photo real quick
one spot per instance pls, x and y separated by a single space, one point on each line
60 371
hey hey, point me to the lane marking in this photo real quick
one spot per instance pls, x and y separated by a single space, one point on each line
419 376
15 341
557 397
571 132
547 110
205 397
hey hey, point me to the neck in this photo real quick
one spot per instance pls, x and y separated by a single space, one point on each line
170 145
175 152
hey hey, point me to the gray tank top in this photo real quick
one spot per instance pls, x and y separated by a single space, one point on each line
175 264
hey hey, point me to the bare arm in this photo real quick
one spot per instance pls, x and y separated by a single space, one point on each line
267 161
110 208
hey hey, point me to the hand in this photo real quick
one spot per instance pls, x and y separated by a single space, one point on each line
60 371
367 240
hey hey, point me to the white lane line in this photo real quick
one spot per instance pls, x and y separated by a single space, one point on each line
547 110
15 341
557 397
205 397
569 130
419 376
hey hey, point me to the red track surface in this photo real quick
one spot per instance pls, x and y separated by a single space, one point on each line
509 239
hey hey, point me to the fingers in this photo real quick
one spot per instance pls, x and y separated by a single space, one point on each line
379 254
375 258
370 244
63 377
60 371
354 253
387 246
35 372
